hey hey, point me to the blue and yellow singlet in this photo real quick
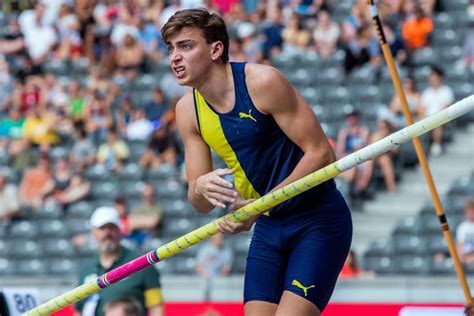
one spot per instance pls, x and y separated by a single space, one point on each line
254 147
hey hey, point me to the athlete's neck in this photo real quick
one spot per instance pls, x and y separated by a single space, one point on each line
217 88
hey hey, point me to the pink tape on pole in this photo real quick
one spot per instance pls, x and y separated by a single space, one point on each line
128 269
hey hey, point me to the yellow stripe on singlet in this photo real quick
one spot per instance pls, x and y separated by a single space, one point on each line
213 135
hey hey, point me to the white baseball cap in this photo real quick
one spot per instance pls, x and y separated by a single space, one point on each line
105 215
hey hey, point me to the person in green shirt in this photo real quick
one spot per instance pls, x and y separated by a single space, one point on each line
144 286
12 126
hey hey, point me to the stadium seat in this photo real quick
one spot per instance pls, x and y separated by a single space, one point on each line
23 229
408 226
380 248
131 189
104 190
165 171
54 228
425 57
410 264
32 267
25 249
176 208
7 267
98 172
62 267
442 268
381 265
136 148
5 247
170 189
176 227
239 264
54 247
82 209
436 244
406 244
185 266
78 225
241 243
131 172
445 38
430 225
49 211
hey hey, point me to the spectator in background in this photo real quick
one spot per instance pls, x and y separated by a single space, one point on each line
140 128
113 152
66 186
9 201
97 118
359 16
126 306
156 107
351 268
162 148
144 286
6 84
77 103
70 41
325 35
40 127
145 218
12 127
468 47
33 183
416 30
214 258
362 50
465 234
296 38
351 138
273 33
413 97
435 98
30 95
384 161
129 57
83 151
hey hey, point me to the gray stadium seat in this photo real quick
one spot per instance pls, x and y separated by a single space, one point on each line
239 264
98 172
408 244
79 225
104 190
54 247
408 226
176 208
170 189
23 229
380 265
5 246
136 148
442 268
49 211
425 56
176 227
445 38
26 249
185 266
32 267
7 267
54 228
131 172
436 244
131 189
62 267
82 209
165 171
413 265
241 243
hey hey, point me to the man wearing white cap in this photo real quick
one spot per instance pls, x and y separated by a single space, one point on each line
144 286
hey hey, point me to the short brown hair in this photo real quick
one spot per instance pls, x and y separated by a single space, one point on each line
211 24
469 205
129 304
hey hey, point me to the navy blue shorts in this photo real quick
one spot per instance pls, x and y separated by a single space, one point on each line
302 253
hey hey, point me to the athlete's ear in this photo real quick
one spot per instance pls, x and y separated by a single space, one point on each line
217 49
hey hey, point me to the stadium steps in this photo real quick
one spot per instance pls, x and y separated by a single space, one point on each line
380 216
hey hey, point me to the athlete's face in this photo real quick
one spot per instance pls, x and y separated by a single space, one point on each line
190 55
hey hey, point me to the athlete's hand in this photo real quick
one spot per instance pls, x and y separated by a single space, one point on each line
215 189
229 227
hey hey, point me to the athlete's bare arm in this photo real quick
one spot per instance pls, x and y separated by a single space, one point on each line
272 94
206 187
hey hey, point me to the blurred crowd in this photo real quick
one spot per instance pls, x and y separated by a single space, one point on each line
54 127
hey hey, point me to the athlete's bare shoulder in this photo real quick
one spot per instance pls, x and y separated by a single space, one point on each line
267 86
185 113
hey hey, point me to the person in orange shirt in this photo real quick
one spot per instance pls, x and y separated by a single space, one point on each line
33 183
351 269
416 31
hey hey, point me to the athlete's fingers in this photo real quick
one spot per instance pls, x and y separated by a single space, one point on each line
225 228
223 191
215 179
221 198
223 171
215 202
